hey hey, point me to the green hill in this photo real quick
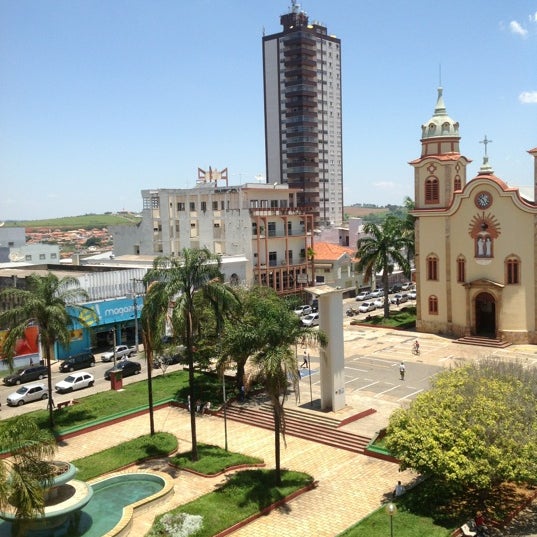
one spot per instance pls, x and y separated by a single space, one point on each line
86 221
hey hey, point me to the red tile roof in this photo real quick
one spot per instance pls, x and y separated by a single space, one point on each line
326 251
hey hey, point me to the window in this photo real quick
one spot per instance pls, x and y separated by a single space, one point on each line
431 190
204 206
28 257
42 256
192 206
53 256
457 185
433 305
432 267
181 206
461 269
215 206
512 267
273 259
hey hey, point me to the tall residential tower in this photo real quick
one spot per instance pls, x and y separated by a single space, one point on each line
303 131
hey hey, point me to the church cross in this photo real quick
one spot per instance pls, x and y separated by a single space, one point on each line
486 142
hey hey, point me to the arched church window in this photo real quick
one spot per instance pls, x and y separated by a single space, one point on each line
461 269
431 190
433 305
457 184
512 269
432 267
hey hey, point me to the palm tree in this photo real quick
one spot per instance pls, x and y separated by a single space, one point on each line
180 281
380 249
53 305
267 335
23 474
152 322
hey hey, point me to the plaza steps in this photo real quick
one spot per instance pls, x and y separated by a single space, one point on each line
302 424
483 342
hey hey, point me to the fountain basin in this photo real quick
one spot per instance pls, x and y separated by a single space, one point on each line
115 500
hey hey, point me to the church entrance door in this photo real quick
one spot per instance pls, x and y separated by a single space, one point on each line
485 315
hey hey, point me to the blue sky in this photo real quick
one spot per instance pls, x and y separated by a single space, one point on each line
102 98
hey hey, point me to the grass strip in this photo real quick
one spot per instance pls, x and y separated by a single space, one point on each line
136 450
405 524
242 495
107 404
212 460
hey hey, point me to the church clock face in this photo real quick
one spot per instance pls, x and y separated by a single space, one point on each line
483 200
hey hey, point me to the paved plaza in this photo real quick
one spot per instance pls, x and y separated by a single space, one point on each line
350 486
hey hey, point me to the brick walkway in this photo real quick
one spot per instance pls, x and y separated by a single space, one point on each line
350 485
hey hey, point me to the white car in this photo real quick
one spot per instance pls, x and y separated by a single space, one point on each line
376 293
122 351
75 381
28 393
379 303
367 306
311 320
303 310
364 295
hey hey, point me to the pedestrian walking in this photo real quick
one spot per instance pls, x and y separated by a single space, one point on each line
416 347
402 370
305 363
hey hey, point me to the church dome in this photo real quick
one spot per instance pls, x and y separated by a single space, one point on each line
440 125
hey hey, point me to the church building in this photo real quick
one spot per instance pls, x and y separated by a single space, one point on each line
476 243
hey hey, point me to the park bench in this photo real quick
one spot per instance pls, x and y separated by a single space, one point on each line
64 404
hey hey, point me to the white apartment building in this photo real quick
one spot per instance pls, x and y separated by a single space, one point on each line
260 222
303 123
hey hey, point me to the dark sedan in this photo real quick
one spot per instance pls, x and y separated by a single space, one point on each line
126 367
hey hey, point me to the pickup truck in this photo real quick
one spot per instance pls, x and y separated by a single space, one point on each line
122 351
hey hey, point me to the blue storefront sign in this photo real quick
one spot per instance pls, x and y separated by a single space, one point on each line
113 313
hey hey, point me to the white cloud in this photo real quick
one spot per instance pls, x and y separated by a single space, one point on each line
528 97
516 28
533 17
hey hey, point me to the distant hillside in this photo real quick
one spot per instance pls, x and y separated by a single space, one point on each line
360 212
86 221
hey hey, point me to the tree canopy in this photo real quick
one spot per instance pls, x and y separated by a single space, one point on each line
476 427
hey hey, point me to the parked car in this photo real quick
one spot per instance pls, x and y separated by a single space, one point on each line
367 306
126 367
399 298
78 361
303 310
27 394
26 374
376 293
122 351
412 295
363 295
311 320
379 303
406 286
75 381
396 288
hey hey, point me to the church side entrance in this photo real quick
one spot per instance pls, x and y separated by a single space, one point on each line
485 315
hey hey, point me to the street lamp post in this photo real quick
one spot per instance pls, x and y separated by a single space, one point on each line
309 371
391 510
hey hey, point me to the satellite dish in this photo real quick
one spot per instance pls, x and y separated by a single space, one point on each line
16 255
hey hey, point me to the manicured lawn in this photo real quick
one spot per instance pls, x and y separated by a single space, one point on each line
405 524
403 318
212 460
137 450
104 405
242 495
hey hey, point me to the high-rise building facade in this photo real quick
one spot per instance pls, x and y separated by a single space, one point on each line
303 125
